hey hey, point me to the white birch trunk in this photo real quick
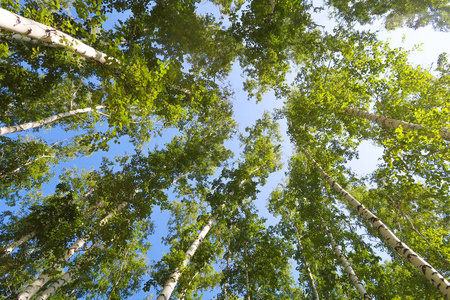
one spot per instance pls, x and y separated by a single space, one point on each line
36 285
30 125
29 236
442 284
308 268
444 132
170 284
46 34
348 268
25 39
10 248
62 280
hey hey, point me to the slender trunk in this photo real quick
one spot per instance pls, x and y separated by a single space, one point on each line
30 125
247 278
43 278
26 164
170 284
46 34
189 283
29 236
444 132
348 268
10 248
36 285
173 279
225 285
63 279
442 284
413 228
307 266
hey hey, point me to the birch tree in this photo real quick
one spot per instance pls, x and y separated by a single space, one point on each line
419 263
301 202
260 156
32 163
395 14
348 268
389 122
259 267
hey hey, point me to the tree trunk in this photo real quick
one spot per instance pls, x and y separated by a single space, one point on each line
36 285
25 164
170 284
348 268
247 277
225 285
418 262
307 266
29 236
24 39
30 125
63 279
444 132
10 248
413 228
46 34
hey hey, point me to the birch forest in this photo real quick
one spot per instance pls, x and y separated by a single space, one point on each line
128 169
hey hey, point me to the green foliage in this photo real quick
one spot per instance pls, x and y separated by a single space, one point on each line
166 76
413 14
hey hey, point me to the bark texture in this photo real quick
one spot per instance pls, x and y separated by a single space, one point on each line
170 284
30 125
46 34
444 132
10 248
439 281
34 287
348 268
62 280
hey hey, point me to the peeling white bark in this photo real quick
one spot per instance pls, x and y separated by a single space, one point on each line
34 287
10 248
62 280
173 279
441 283
30 125
25 39
46 34
444 132
348 268
170 284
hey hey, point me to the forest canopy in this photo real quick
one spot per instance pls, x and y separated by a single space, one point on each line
143 96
